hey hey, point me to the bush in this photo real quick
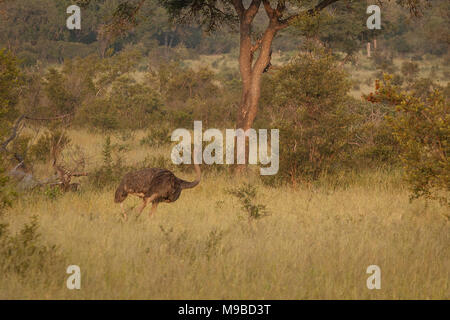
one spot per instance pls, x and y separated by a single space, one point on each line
384 61
41 150
195 95
24 254
311 113
410 70
111 170
246 195
7 194
10 84
421 126
130 105
157 137
372 143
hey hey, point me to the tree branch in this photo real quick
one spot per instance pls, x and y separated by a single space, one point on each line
25 117
319 7
256 46
50 118
269 10
239 7
13 134
252 10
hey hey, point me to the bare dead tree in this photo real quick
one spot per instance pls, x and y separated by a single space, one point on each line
63 176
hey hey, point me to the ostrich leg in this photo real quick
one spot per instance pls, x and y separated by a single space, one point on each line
125 217
153 210
146 201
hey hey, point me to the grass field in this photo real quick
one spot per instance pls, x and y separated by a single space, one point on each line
316 243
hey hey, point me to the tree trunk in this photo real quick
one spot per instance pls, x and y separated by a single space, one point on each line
251 74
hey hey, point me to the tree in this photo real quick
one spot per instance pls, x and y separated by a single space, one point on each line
215 14
281 14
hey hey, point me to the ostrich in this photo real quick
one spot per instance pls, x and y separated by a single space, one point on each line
153 185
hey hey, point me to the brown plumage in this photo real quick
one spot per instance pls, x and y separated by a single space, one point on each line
153 185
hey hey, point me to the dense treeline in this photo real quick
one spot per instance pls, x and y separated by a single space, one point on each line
36 30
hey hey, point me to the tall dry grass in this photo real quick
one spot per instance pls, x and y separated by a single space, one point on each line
316 244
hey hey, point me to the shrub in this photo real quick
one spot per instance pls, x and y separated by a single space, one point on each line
53 192
410 70
246 195
131 105
157 137
24 254
111 170
40 151
397 80
195 94
10 84
370 136
384 61
307 101
7 194
421 126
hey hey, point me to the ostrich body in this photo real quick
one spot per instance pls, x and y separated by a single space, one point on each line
153 185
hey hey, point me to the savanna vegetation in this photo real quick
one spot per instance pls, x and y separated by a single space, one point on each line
364 173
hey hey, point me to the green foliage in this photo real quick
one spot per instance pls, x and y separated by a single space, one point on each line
25 255
207 13
107 158
112 168
194 95
7 194
157 162
10 82
421 125
246 195
109 96
53 192
384 61
61 100
157 137
39 30
343 29
135 105
55 140
183 84
308 98
410 70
